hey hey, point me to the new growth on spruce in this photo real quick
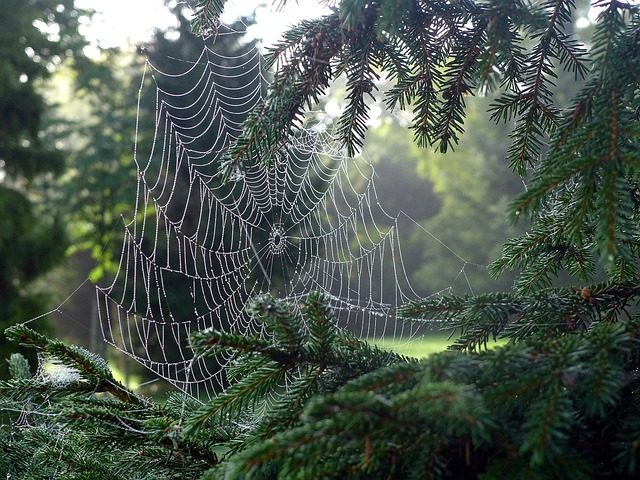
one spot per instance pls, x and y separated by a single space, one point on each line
307 400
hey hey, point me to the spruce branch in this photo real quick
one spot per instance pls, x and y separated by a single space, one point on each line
70 430
360 64
309 356
206 16
458 83
542 253
304 71
552 311
589 169
354 431
436 59
89 367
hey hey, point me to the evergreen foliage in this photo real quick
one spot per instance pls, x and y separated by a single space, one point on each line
72 419
306 401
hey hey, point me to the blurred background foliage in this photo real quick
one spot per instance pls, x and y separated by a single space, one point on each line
35 38
67 133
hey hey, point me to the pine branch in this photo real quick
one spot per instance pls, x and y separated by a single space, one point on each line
588 171
545 312
89 366
206 16
503 54
421 82
108 429
359 431
458 83
304 58
532 103
429 50
309 356
542 253
360 65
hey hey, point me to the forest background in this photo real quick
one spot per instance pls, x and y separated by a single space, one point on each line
68 114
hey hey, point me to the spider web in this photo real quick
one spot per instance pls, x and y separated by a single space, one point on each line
195 251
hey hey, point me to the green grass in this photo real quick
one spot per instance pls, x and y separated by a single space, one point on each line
421 346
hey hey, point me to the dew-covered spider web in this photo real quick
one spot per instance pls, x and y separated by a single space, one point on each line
195 250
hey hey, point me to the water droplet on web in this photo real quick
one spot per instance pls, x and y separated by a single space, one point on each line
329 230
237 175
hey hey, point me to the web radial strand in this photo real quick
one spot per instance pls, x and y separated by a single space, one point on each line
195 251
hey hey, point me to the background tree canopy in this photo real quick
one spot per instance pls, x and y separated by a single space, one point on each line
308 399
35 37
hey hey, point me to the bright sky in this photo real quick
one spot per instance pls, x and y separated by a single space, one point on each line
122 21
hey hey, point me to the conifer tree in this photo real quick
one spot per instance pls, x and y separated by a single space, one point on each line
559 400
35 37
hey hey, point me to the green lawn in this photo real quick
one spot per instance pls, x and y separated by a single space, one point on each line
421 346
